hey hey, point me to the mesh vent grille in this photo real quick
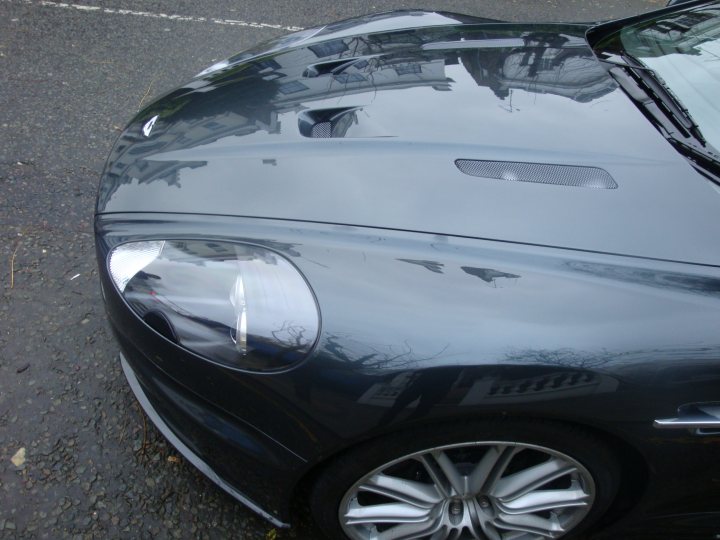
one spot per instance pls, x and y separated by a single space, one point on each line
322 130
539 173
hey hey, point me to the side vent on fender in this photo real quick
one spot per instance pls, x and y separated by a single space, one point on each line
538 173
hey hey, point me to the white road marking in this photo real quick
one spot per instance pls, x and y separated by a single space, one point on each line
152 15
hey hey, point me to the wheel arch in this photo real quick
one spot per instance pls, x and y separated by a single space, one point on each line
634 467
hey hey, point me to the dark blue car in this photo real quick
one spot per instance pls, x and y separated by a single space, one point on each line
429 276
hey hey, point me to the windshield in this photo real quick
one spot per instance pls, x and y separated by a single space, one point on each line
683 50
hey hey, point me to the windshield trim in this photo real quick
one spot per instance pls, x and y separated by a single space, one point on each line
658 101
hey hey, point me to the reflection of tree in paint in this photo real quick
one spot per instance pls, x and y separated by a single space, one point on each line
368 358
433 266
488 275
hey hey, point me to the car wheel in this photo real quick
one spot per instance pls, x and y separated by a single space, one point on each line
481 480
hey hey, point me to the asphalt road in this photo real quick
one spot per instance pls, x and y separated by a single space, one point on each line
70 76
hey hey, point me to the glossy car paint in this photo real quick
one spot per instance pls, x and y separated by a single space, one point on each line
230 144
443 296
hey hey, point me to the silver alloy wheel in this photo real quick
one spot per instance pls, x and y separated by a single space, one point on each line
478 490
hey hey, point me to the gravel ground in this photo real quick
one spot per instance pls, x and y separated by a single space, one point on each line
78 459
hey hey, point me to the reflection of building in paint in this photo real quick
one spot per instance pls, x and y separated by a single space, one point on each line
263 94
358 74
540 67
253 97
132 157
385 393
493 389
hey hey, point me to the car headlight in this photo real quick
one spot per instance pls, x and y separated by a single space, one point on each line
239 305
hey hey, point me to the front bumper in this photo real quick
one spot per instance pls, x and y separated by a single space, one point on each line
186 452
215 443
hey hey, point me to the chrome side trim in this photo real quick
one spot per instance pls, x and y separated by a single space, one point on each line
185 451
698 416
686 423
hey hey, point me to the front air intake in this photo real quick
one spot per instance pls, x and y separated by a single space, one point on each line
538 173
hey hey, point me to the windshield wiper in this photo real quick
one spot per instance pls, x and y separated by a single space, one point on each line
669 101
661 94
665 111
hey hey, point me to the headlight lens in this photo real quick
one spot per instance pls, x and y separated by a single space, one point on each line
240 305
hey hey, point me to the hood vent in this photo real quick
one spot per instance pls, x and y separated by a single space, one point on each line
322 130
327 123
538 173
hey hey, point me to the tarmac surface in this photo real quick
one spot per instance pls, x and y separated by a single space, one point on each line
78 458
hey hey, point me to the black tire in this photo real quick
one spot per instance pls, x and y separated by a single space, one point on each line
585 448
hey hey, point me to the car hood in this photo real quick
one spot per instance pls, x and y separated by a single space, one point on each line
366 129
